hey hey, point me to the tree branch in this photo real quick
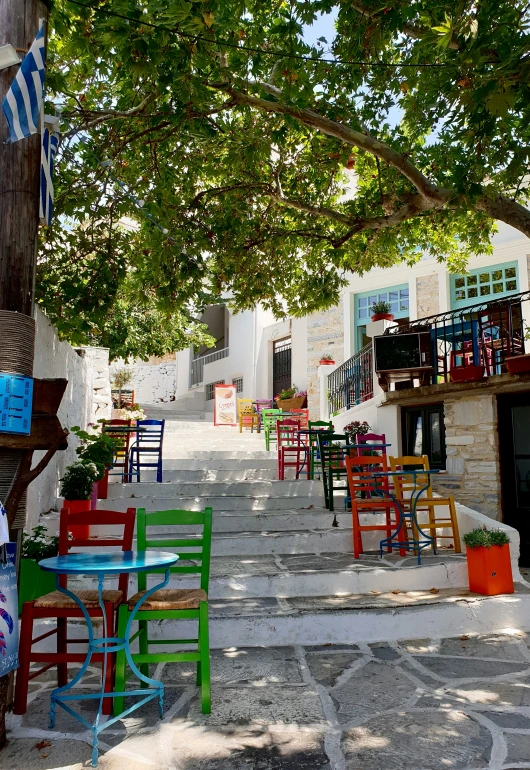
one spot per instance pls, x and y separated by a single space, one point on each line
412 30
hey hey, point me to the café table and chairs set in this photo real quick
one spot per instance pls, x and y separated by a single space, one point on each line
140 447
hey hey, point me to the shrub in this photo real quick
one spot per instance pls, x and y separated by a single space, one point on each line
76 484
97 448
38 545
357 428
485 538
380 307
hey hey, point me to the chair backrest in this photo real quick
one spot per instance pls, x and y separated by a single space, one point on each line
263 403
244 402
124 437
68 541
331 449
303 415
361 471
375 442
154 435
190 549
407 484
286 431
270 416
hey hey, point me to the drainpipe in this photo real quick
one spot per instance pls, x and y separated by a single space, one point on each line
254 362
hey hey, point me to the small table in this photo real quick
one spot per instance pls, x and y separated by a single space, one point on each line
124 429
107 564
307 447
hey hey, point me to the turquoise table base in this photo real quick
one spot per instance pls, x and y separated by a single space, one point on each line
62 696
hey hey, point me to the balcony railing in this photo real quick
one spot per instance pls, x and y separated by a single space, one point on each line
481 335
197 365
352 382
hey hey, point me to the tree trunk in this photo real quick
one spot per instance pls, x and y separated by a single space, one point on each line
19 198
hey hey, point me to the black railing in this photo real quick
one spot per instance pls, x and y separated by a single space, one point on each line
352 382
481 335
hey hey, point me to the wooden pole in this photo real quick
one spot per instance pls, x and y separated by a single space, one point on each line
19 200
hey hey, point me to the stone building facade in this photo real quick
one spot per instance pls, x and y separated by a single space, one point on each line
325 335
427 295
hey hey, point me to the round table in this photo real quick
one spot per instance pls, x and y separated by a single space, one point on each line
102 564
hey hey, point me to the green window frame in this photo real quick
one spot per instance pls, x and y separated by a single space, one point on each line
484 284
397 296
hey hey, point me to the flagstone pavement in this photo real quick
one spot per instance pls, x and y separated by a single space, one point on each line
423 704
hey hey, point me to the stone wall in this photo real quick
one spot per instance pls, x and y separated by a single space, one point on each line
325 334
473 474
153 381
427 295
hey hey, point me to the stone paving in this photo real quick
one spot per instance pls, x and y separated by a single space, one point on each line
450 704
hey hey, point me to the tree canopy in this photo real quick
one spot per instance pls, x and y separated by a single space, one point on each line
275 165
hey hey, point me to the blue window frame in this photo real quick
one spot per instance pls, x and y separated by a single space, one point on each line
396 296
484 284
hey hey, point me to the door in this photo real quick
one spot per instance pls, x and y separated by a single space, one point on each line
423 433
281 366
514 453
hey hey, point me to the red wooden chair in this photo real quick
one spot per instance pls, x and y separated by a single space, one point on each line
123 452
361 481
289 446
57 605
303 416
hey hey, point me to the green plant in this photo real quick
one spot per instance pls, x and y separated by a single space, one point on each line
122 377
326 357
98 448
287 393
481 537
76 484
38 545
380 307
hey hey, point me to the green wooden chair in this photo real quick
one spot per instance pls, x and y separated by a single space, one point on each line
270 417
171 603
313 444
331 447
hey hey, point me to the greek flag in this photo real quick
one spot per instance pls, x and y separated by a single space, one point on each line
50 142
23 101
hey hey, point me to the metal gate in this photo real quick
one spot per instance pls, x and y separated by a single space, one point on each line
281 366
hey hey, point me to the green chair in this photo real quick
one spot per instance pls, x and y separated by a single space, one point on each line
313 443
171 603
331 447
270 417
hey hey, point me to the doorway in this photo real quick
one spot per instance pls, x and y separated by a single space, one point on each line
281 366
423 433
514 454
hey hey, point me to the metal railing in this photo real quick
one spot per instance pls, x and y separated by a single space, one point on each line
482 335
352 382
197 365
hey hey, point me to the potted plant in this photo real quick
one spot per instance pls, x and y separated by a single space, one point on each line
519 364
121 378
357 428
488 561
98 448
76 488
468 373
381 311
291 398
34 582
326 361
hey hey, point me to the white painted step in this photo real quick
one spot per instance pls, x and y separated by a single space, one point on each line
215 474
226 503
254 488
220 464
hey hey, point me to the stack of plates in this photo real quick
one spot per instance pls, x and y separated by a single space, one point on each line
17 343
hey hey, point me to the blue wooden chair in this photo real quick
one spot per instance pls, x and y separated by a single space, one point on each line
148 445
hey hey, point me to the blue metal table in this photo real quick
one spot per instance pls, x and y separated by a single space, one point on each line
423 540
101 564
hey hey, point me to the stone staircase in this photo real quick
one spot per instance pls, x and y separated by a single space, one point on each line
282 574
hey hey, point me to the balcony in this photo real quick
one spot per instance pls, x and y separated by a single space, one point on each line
352 382
198 364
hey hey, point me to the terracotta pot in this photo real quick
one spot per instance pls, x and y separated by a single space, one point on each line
326 362
287 404
383 317
79 531
467 373
518 364
490 570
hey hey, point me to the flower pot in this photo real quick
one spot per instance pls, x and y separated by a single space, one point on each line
286 404
79 531
326 362
490 570
103 486
34 582
383 317
467 373
518 364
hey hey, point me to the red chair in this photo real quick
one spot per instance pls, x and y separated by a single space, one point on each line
302 415
289 446
366 498
57 605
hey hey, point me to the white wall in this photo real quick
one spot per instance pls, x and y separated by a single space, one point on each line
54 358
152 382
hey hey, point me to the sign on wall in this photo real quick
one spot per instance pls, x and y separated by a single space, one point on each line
225 412
8 611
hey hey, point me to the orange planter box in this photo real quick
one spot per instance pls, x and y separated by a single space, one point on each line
80 531
490 570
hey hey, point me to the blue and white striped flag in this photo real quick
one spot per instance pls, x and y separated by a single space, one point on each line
23 101
50 142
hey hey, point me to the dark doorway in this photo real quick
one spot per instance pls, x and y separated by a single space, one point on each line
514 453
281 366
423 433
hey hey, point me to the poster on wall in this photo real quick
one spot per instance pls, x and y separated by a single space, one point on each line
8 610
224 411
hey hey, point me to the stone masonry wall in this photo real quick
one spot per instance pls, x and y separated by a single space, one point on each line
427 295
325 334
153 382
473 474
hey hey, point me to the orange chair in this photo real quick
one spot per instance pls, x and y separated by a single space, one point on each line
405 486
366 498
289 446
57 605
302 415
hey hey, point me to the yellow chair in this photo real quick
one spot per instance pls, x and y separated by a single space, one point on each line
404 486
248 417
